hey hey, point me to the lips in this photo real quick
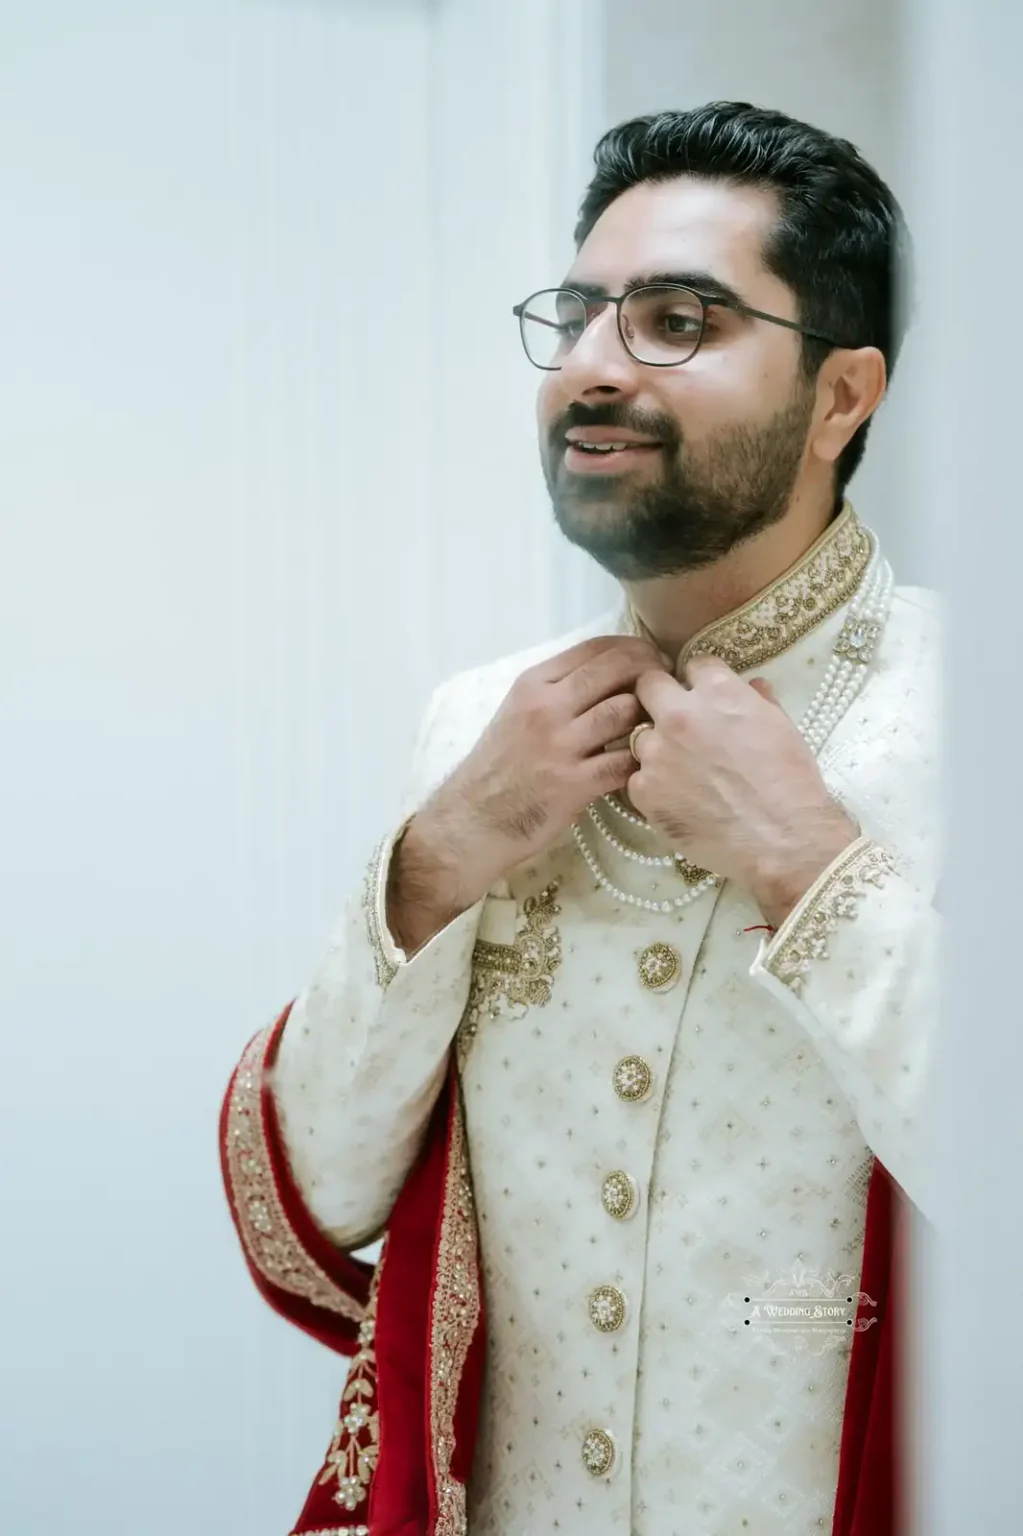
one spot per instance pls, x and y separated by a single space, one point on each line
612 457
606 449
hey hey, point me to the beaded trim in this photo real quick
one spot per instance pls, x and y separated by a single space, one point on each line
836 895
263 1227
455 1311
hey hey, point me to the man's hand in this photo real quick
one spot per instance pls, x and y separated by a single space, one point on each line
726 776
548 752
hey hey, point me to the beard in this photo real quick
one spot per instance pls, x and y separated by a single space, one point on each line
706 501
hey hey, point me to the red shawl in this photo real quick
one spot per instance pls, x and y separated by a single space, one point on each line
414 1325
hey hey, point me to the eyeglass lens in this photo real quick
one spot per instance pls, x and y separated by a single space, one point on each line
659 325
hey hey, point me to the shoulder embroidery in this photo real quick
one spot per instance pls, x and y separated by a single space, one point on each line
838 895
509 978
352 1457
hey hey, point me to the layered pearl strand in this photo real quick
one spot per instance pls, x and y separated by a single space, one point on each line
845 676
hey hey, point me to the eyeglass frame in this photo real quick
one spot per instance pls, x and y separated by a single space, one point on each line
707 300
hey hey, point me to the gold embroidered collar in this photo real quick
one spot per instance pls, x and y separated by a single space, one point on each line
821 581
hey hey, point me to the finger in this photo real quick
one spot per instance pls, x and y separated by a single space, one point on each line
762 686
657 691
611 672
556 668
608 771
705 669
606 724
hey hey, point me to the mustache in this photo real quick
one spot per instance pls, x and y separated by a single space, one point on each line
612 413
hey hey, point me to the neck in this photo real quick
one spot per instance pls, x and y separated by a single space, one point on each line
675 608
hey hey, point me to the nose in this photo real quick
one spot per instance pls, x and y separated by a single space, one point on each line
599 362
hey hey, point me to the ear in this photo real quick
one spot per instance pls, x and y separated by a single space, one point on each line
850 387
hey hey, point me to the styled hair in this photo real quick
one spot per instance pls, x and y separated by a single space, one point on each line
840 241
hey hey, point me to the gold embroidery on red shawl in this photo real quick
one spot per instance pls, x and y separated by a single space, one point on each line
353 1452
262 1225
456 1309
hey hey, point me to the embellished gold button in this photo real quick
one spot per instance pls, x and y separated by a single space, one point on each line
598 1452
620 1195
607 1308
633 1079
660 966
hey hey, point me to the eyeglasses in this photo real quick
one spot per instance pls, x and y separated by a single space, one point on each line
660 325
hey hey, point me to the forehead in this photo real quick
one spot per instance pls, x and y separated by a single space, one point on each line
684 225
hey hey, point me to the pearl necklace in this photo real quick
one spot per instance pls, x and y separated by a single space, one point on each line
845 676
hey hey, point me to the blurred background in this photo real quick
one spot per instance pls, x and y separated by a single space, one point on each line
268 474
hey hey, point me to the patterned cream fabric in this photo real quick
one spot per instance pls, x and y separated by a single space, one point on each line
666 1114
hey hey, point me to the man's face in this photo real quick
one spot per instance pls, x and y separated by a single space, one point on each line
726 431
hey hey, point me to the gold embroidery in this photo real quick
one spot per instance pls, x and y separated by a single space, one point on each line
337 1530
509 977
838 895
386 970
353 1452
819 583
262 1225
456 1308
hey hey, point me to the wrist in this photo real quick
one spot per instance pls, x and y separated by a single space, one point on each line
784 875
429 882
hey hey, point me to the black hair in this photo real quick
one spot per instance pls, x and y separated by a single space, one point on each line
840 241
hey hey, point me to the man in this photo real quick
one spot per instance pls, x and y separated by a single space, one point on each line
635 1006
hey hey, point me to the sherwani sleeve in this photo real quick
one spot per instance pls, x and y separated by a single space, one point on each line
856 962
364 1052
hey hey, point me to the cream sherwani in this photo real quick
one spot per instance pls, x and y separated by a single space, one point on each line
666 1112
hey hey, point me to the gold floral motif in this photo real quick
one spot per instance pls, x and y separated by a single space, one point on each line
386 970
455 1314
353 1452
263 1227
804 938
827 576
509 978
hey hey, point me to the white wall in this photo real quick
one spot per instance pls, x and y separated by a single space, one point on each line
967 120
268 473
838 65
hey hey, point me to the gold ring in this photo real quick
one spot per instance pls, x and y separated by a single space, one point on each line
637 731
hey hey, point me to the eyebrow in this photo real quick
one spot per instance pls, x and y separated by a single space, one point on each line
703 282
